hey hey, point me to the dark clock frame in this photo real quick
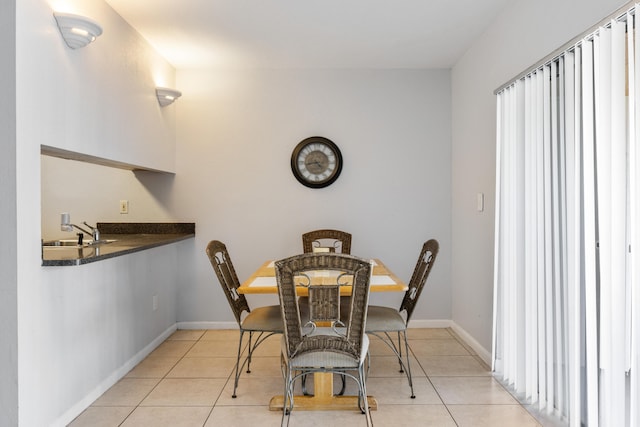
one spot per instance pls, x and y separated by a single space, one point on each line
315 140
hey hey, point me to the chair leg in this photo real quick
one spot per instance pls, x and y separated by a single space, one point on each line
386 338
250 352
362 395
408 357
237 371
253 343
400 352
287 405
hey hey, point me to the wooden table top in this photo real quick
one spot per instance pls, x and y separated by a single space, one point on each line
263 281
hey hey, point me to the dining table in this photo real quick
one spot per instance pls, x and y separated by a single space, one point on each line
263 281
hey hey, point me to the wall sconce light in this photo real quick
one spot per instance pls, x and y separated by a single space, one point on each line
166 96
77 31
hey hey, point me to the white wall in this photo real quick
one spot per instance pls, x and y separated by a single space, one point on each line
88 326
525 33
81 328
92 193
236 132
100 99
8 228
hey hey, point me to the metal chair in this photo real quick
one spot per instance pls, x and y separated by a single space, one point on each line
263 321
326 241
383 321
324 343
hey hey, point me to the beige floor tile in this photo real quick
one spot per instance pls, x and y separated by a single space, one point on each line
438 347
396 391
243 416
229 335
127 392
95 416
491 416
203 367
472 390
153 367
377 347
451 366
353 418
213 349
412 416
197 367
484 364
168 417
185 392
263 367
251 391
428 333
186 335
463 343
172 348
388 366
271 347
545 419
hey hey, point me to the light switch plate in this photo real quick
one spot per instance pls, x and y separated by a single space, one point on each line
480 202
124 206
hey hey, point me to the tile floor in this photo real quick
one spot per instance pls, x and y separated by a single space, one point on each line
187 381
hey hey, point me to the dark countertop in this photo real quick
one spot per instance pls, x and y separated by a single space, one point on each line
128 238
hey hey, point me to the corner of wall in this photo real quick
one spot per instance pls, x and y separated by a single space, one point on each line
9 414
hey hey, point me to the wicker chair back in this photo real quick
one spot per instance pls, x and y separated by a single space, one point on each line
334 240
324 301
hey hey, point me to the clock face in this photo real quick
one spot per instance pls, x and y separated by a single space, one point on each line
316 162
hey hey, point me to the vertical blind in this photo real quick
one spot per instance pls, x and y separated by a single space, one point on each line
567 258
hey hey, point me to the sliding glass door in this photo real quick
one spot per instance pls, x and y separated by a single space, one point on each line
567 264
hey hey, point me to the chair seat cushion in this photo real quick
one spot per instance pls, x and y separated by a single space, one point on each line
384 319
326 359
268 319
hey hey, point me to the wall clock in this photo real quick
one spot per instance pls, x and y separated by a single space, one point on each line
316 162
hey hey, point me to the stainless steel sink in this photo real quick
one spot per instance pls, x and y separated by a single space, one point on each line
66 243
63 243
99 242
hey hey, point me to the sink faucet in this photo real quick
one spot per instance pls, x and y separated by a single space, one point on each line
65 225
70 227
95 233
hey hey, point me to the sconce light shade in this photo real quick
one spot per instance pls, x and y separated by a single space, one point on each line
166 96
77 31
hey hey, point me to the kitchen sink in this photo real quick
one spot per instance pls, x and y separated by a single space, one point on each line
65 243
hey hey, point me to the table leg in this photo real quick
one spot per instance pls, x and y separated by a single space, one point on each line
323 398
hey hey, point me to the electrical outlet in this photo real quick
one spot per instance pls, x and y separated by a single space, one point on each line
124 206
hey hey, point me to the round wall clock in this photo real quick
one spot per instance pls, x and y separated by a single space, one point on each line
316 162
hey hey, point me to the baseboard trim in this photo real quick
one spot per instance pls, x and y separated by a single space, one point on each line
207 325
482 352
431 323
115 376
